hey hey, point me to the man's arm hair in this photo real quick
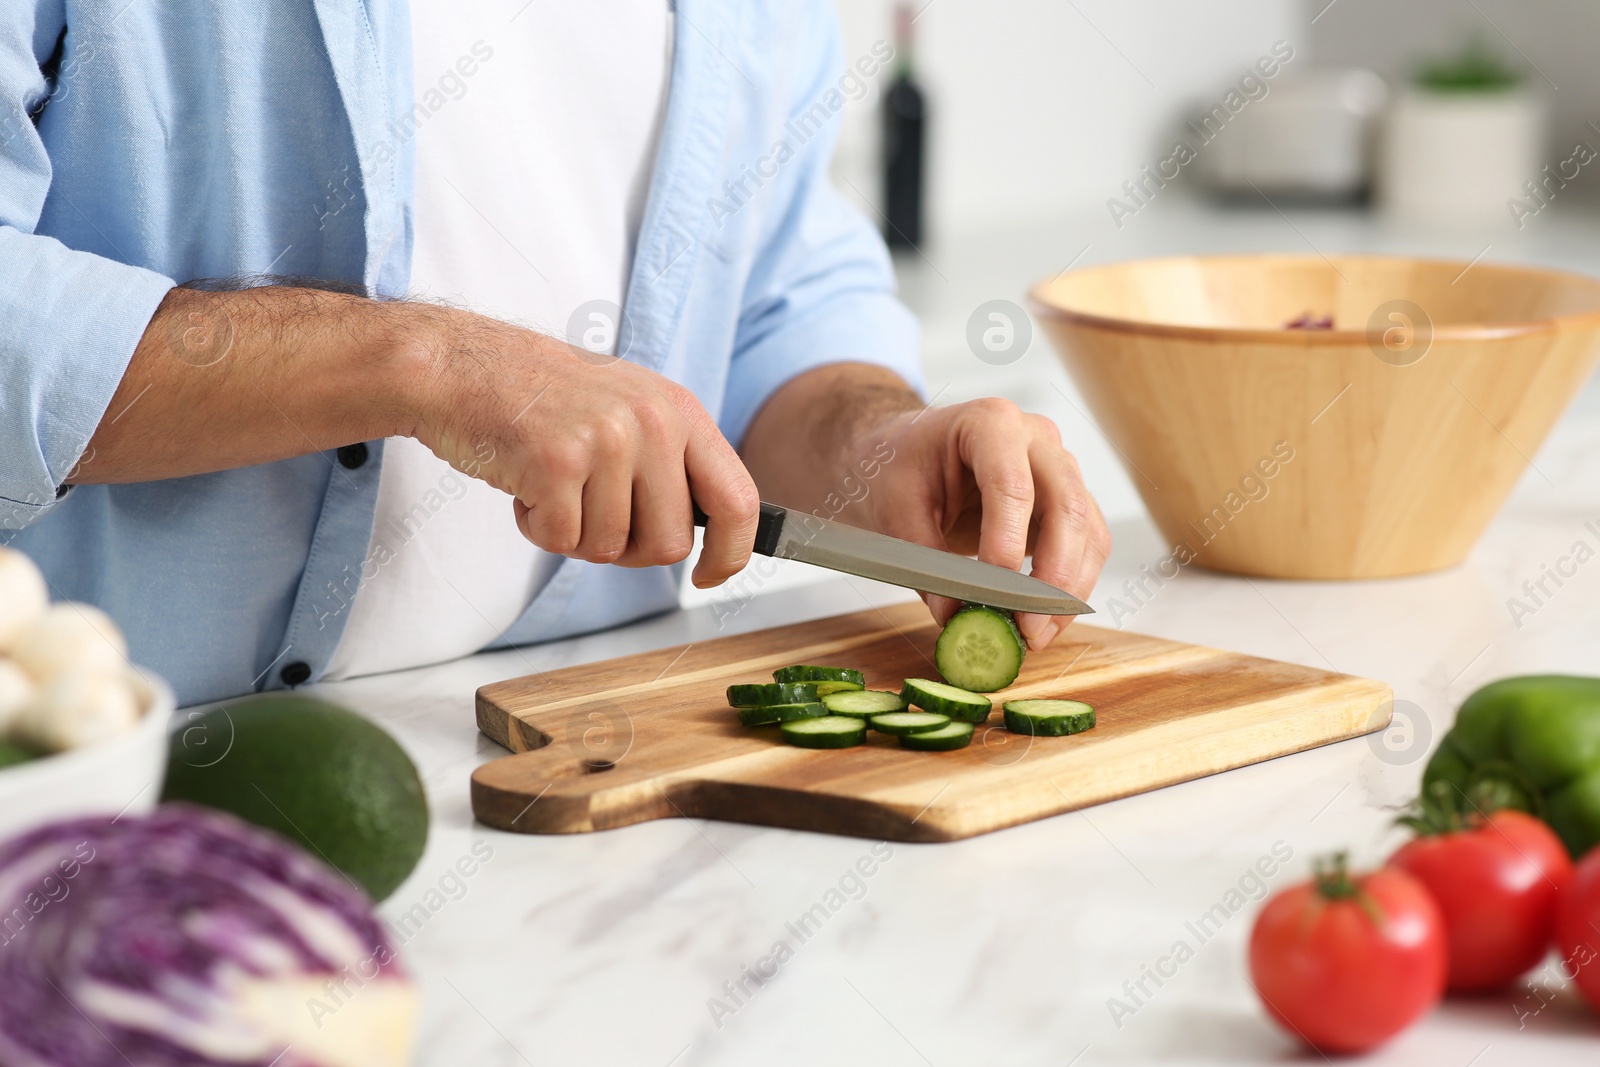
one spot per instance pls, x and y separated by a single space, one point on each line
231 375
808 436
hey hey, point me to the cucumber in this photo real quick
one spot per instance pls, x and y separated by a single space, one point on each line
863 703
980 649
757 696
1048 718
826 679
946 700
829 731
899 723
951 736
772 713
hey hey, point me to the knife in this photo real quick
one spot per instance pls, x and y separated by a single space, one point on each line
785 534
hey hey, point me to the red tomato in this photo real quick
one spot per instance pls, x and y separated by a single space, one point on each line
1496 884
1346 963
1578 928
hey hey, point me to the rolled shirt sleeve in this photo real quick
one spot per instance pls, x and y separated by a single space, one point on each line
821 287
69 320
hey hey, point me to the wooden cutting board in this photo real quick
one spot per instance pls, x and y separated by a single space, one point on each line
650 736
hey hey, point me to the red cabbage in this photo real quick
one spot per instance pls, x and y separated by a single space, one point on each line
189 937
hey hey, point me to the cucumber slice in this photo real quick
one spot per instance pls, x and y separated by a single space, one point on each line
946 700
863 703
980 649
908 722
951 736
826 679
757 696
803 673
772 713
1048 718
830 731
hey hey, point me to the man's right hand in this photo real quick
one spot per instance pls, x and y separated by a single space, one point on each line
601 456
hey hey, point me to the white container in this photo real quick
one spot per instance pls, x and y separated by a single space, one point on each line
118 776
1457 157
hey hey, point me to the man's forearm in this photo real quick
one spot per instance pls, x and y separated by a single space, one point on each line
810 434
232 379
601 456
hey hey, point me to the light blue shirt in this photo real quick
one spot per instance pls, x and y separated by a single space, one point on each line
159 141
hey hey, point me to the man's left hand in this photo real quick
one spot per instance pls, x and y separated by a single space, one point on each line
980 478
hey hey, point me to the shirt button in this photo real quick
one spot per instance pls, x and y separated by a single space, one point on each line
352 456
295 673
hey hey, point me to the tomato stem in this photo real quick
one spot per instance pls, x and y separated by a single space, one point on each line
1446 808
1332 875
1436 811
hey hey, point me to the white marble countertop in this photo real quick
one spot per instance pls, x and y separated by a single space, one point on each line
1004 949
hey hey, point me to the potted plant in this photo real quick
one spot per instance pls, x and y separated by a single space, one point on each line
1461 139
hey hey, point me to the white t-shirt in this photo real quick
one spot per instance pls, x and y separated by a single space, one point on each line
536 134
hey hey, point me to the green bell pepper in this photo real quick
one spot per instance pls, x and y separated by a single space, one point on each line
1531 742
1575 813
1449 764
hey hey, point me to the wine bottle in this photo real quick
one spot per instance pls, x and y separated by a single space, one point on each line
904 123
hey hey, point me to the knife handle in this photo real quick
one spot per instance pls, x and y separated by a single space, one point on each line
769 527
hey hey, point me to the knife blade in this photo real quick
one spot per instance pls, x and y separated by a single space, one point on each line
785 534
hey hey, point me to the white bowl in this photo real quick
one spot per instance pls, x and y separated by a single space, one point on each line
114 777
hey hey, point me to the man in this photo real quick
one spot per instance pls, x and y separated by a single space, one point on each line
260 481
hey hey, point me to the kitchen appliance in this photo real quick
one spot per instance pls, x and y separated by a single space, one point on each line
1312 135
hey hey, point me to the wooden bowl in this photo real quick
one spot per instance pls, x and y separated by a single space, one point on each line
1382 446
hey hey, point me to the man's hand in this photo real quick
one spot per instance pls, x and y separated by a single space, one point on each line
600 455
981 478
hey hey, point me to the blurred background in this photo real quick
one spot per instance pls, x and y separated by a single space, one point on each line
1065 133
1038 106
